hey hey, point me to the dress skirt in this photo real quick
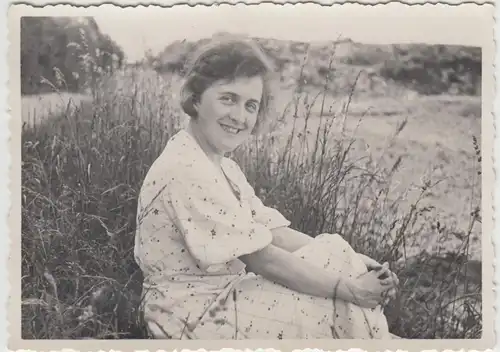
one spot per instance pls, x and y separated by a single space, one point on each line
256 308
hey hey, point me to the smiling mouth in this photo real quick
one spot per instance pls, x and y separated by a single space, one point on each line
230 129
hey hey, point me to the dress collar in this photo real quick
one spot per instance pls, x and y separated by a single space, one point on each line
227 165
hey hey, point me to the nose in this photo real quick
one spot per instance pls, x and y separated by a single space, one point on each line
238 114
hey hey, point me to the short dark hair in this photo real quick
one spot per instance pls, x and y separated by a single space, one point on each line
227 58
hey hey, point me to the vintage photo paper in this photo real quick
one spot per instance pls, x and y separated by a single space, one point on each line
251 176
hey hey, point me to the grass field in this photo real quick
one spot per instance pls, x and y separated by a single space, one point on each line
399 179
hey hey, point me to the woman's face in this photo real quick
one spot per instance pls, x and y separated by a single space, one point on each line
227 112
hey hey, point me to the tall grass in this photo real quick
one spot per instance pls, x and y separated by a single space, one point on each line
83 168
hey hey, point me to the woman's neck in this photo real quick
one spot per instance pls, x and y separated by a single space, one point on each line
211 153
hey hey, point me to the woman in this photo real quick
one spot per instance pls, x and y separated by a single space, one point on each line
218 263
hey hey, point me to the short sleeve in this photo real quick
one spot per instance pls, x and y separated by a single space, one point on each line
267 216
215 227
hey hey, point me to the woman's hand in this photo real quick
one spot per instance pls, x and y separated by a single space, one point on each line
368 290
383 269
391 294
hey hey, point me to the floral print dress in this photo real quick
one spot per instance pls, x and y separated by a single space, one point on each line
191 230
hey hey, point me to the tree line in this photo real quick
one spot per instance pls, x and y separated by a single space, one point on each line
426 69
65 53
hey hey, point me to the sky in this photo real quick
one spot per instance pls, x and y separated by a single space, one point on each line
152 28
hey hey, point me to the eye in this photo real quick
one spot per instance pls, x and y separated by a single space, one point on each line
252 106
228 99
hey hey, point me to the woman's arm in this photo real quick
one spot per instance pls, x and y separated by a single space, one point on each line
287 269
289 239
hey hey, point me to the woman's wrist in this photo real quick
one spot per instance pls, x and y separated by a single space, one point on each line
345 289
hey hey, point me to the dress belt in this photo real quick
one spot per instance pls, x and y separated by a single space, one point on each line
222 296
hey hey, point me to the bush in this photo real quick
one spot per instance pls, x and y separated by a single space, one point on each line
436 69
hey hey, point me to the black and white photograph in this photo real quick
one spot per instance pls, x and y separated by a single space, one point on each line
254 172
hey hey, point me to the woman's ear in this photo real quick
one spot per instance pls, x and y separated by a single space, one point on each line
195 102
